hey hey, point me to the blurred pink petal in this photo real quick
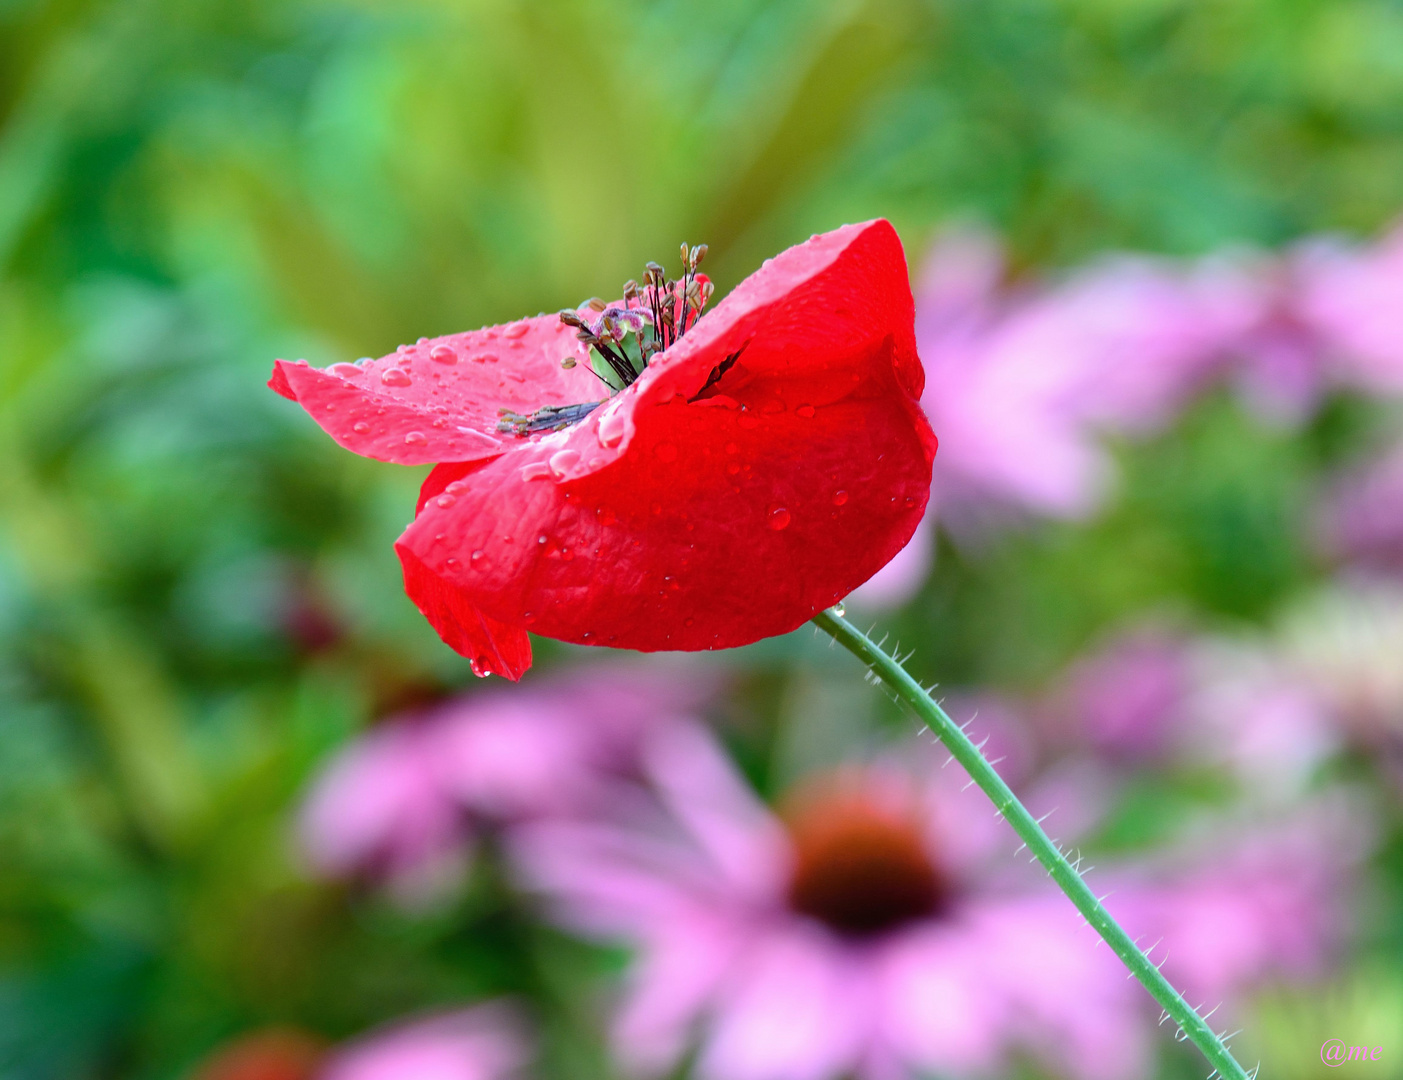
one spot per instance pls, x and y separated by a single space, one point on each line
1360 518
1021 387
719 812
675 978
1126 698
406 799
797 1008
1267 905
378 807
1066 995
1353 298
1254 713
482 1043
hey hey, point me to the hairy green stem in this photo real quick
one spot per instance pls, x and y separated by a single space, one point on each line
1194 1027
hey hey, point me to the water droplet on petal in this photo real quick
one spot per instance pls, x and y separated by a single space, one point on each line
839 498
733 468
516 329
537 470
665 452
345 371
839 610
806 411
477 554
611 430
444 354
562 461
457 487
416 438
443 502
360 427
393 376
779 518
542 538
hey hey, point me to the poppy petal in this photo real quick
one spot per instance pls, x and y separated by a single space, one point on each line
439 400
493 647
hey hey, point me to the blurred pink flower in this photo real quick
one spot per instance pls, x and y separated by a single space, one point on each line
1126 698
1250 710
1360 518
859 934
404 802
379 809
481 1043
1352 297
1239 908
1022 384
1322 314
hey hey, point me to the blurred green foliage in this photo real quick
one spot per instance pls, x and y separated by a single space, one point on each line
197 593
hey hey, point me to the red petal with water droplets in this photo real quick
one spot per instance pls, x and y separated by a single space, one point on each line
439 400
689 515
493 647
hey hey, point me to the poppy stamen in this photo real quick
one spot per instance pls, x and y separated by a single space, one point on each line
652 318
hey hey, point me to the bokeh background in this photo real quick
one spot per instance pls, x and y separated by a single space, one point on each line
1160 570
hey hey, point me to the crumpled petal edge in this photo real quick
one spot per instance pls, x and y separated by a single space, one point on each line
493 647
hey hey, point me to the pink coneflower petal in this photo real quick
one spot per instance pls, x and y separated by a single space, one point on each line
725 819
937 1008
687 960
482 1043
377 805
796 1009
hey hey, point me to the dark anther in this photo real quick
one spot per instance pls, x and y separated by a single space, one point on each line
624 337
546 418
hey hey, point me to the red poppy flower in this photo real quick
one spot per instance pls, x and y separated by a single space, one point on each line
759 468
